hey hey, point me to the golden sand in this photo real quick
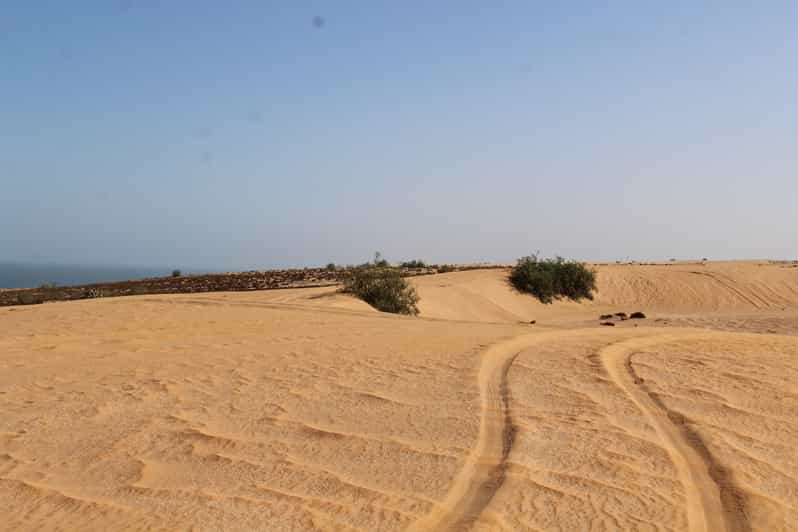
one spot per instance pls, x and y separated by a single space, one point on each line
308 410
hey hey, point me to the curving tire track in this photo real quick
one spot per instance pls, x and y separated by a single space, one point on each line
713 505
486 465
752 299
705 483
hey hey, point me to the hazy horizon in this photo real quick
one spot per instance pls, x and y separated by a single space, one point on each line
199 136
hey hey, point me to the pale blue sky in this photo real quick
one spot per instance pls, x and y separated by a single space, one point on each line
237 135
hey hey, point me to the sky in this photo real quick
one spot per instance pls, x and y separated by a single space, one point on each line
257 134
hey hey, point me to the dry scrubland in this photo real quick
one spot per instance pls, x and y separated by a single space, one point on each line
308 410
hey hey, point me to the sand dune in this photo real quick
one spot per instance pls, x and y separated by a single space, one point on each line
738 286
308 410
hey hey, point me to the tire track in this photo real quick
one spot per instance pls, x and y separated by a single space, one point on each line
486 466
729 285
713 505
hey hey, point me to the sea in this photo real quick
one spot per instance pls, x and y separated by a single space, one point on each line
20 275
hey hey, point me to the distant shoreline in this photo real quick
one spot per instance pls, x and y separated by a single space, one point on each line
216 282
14 275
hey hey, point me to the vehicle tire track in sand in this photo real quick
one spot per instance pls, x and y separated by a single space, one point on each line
705 483
484 471
729 285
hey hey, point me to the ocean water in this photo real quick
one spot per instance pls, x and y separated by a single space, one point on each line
18 275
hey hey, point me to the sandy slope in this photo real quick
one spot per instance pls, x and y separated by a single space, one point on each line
307 410
681 288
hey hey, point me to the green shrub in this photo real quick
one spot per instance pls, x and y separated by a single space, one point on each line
176 273
51 292
413 264
380 262
28 298
383 289
136 290
446 268
331 267
551 279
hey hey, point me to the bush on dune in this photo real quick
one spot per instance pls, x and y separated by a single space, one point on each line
28 298
550 279
51 292
379 261
384 289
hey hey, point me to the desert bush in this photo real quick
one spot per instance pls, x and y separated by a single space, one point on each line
446 268
51 292
176 273
383 289
28 298
413 264
550 279
331 267
380 262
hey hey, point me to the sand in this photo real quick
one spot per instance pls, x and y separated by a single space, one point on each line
308 410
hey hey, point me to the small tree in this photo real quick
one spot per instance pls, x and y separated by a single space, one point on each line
551 279
384 289
176 273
